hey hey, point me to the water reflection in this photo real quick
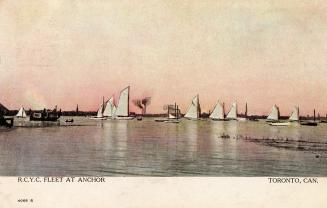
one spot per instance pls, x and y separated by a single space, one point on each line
115 146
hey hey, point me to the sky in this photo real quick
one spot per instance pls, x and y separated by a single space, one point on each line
68 52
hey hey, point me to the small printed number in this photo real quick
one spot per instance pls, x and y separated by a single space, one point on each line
25 200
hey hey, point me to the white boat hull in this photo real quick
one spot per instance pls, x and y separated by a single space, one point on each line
124 118
280 124
98 118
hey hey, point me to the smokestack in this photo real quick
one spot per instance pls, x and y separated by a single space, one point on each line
138 104
145 102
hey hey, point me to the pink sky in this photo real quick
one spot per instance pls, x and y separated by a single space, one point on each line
68 52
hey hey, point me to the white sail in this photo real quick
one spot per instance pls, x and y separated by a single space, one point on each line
193 111
110 108
114 109
21 113
171 116
218 112
123 103
295 114
100 111
232 114
274 114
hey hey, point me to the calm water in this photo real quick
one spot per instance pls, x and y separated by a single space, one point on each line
148 148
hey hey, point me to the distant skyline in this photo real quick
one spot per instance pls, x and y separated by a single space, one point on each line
66 53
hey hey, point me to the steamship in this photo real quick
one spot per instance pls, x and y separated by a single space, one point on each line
45 115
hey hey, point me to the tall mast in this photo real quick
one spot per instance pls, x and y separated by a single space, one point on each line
128 102
175 111
199 108
102 104
246 110
314 114
224 109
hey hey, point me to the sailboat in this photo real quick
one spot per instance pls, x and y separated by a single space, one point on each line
274 114
273 117
172 113
100 115
218 113
110 108
21 113
232 114
295 116
173 117
310 123
122 110
193 112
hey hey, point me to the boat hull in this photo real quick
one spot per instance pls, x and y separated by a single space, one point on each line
217 119
195 119
309 123
98 118
124 118
139 118
254 120
231 119
172 121
280 124
160 119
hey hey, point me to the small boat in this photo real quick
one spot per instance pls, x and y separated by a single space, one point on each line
194 110
224 136
310 123
325 120
173 115
161 119
69 120
253 119
45 115
139 118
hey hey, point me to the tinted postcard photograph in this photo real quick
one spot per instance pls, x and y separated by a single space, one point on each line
138 93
